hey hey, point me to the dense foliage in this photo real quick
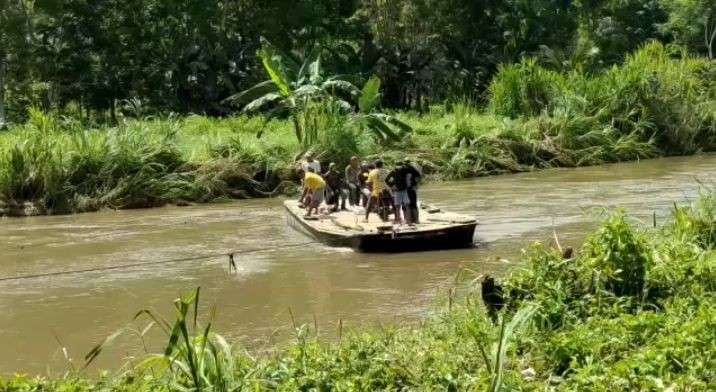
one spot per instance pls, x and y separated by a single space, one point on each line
96 58
658 102
89 96
633 309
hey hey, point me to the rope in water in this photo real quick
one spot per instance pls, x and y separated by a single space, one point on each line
230 255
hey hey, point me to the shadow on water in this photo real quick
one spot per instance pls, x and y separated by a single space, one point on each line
332 284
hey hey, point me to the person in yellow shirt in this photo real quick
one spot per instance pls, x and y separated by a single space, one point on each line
313 190
376 182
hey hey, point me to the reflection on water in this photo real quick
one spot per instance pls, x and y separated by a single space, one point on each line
77 311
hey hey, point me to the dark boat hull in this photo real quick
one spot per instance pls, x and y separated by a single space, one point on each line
453 237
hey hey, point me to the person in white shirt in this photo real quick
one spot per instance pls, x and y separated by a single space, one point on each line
309 161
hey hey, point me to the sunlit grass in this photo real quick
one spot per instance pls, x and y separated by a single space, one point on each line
657 103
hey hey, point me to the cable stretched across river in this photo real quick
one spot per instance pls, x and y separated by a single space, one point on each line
165 261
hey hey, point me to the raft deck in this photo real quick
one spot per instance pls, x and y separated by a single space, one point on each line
437 230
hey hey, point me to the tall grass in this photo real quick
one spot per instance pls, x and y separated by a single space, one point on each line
658 102
137 164
524 89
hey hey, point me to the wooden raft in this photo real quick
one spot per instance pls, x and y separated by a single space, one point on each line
437 229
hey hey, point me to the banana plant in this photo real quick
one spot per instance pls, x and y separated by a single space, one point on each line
294 89
383 126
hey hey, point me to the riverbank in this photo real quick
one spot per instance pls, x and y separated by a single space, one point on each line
658 103
631 309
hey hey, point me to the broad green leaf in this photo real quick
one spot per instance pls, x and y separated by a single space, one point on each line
370 95
315 70
305 72
507 332
273 68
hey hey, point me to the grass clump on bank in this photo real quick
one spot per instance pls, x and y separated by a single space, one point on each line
61 167
632 309
658 102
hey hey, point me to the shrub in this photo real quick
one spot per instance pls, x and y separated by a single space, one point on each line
523 89
622 254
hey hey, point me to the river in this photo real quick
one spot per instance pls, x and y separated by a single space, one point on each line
332 286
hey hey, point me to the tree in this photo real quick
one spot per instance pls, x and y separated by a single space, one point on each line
14 36
692 23
619 27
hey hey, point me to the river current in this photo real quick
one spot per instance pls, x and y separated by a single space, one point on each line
40 316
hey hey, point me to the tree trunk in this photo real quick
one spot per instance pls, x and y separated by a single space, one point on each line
113 111
2 91
297 128
710 36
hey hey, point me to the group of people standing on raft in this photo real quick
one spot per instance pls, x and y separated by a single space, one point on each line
373 186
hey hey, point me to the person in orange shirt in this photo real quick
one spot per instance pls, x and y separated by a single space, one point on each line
376 181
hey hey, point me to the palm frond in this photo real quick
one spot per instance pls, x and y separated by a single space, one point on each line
259 103
258 90
402 127
341 85
379 127
308 91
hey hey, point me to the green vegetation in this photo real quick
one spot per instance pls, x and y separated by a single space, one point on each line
140 103
102 58
633 309
657 103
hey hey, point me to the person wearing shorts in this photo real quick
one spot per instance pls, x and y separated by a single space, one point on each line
401 200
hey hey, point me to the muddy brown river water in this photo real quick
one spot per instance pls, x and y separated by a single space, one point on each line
39 316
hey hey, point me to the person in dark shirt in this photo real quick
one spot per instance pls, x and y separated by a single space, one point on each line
397 179
412 180
353 181
335 184
363 182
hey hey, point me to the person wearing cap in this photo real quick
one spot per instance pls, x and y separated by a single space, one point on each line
334 188
314 188
412 180
353 181
376 182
